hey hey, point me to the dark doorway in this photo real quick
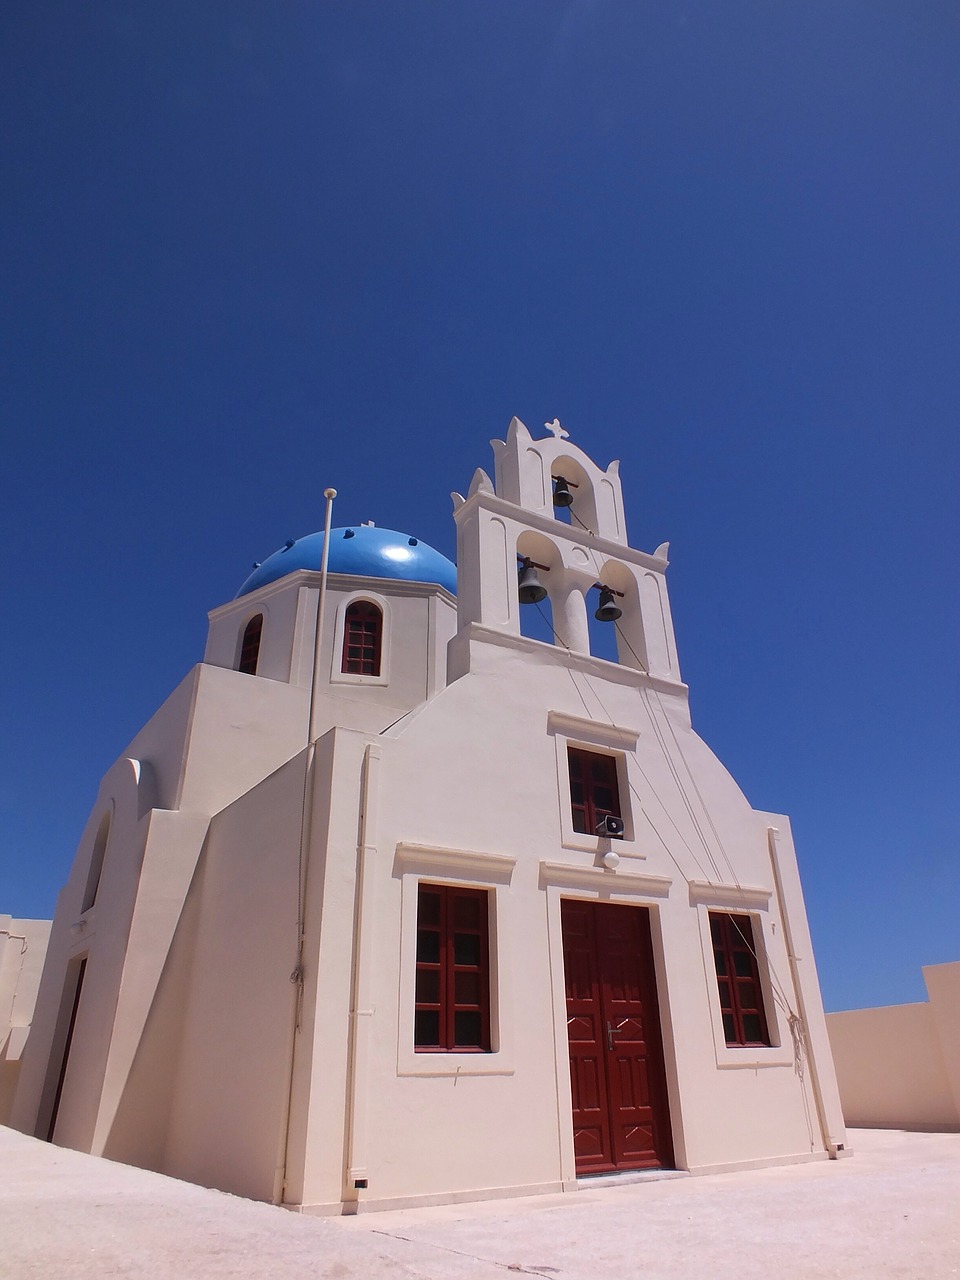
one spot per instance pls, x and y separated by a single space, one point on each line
69 1005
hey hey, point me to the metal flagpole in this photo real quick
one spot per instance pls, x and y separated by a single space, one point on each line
306 823
329 494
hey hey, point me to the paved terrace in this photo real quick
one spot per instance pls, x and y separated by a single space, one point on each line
893 1210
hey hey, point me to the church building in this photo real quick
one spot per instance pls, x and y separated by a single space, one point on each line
393 904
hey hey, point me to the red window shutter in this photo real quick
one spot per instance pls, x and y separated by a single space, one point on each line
452 1011
738 980
594 789
250 646
362 639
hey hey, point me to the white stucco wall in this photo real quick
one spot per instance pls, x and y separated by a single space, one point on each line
189 1055
419 621
236 1023
441 804
898 1066
23 947
216 736
192 1070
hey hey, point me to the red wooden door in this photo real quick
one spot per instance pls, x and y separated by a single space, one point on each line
620 1114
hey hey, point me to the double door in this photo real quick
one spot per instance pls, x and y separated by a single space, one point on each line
620 1113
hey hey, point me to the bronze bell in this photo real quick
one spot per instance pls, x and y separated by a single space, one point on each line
609 610
531 590
562 497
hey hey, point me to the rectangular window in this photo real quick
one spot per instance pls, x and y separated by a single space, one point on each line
738 980
594 790
453 973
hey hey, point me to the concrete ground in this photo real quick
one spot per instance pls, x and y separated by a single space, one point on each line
892 1210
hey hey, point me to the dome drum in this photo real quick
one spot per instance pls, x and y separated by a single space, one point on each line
363 551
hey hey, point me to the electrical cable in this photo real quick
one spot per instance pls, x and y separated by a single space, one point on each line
777 988
794 1020
634 792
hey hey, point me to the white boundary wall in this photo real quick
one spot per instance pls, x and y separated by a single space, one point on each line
23 945
898 1067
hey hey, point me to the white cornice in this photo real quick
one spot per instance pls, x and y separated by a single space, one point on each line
567 873
556 655
486 866
345 581
561 532
704 893
608 735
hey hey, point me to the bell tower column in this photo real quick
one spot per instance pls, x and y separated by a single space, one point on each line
570 615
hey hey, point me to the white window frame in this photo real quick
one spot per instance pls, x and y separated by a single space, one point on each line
603 740
422 864
755 903
338 676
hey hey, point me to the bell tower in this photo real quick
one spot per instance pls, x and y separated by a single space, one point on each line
511 525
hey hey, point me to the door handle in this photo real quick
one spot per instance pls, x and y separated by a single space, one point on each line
612 1031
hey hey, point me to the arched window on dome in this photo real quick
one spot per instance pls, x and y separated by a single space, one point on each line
250 646
362 639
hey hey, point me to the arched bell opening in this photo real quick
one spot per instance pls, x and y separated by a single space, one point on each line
625 633
574 499
564 493
603 634
538 564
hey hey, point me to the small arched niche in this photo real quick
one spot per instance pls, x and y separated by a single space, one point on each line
95 870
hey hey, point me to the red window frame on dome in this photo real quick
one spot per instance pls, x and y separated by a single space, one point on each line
250 646
362 639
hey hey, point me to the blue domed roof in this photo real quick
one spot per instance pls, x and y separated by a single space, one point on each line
363 550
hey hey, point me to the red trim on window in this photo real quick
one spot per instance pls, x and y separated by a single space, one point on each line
452 1002
594 789
362 639
250 646
738 980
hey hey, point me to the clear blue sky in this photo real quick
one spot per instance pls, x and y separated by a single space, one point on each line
254 249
